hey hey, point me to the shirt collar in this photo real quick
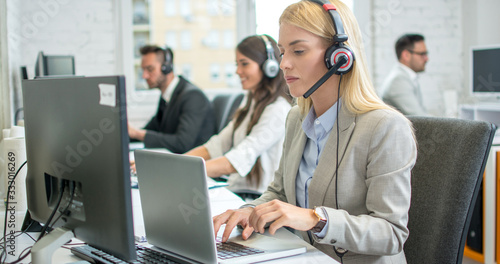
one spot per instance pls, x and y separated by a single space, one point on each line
411 73
167 95
327 120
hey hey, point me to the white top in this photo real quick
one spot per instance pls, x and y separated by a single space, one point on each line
264 141
167 95
401 90
411 73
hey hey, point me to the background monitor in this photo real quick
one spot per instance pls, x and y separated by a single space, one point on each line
485 68
76 136
49 65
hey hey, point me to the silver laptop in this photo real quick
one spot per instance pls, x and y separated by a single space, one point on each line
177 215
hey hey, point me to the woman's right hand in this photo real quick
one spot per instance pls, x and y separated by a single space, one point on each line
232 218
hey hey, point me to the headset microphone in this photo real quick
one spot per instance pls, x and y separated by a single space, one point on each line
339 59
342 60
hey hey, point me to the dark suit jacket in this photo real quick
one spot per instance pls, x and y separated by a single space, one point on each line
188 120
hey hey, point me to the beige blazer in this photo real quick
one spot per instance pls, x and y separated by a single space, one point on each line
377 151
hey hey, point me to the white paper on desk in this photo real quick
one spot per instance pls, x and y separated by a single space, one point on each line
14 156
5 132
107 94
16 131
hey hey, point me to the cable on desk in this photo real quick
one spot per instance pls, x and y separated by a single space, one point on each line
27 250
61 194
65 211
3 255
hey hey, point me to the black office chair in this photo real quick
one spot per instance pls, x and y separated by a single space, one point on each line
452 154
224 107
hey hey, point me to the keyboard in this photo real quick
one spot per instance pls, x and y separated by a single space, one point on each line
144 255
225 251
230 250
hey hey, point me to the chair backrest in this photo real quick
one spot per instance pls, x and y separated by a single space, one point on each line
224 107
452 155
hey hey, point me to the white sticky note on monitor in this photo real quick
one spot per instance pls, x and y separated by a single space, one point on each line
107 94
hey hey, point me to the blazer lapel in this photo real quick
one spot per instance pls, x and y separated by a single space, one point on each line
325 171
292 164
174 101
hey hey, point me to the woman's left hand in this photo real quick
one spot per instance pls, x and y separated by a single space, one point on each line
282 214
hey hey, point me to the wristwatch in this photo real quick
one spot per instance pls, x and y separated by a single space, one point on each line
318 212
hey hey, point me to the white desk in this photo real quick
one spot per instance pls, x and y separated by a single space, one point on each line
221 199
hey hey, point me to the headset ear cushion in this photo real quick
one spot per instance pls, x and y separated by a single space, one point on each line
271 68
166 68
333 53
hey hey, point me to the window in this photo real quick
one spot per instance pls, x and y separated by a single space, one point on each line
268 13
186 40
229 39
141 13
200 36
231 76
170 8
141 39
227 7
171 39
187 71
139 81
215 72
185 8
212 39
213 7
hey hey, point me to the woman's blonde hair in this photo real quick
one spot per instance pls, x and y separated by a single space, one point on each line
357 91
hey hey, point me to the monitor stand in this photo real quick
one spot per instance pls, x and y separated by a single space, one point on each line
30 225
43 249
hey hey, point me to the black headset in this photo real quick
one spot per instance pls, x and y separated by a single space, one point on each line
271 66
167 65
334 52
339 58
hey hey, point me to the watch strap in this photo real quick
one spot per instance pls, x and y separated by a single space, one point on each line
321 220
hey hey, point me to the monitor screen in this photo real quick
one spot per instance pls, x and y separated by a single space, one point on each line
77 141
53 65
485 70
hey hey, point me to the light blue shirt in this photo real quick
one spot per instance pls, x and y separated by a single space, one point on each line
317 130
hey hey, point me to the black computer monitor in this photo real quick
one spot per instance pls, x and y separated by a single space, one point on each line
485 71
76 136
50 65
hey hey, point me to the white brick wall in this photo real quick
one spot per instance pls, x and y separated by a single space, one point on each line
14 54
84 29
451 28
97 32
440 23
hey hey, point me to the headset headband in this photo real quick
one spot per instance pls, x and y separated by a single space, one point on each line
340 35
269 47
270 67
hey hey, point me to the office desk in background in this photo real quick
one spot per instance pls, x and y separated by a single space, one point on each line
221 199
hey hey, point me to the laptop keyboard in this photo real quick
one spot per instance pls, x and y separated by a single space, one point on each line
230 250
144 255
226 250
147 255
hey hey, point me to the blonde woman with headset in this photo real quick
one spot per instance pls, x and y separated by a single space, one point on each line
249 147
344 176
